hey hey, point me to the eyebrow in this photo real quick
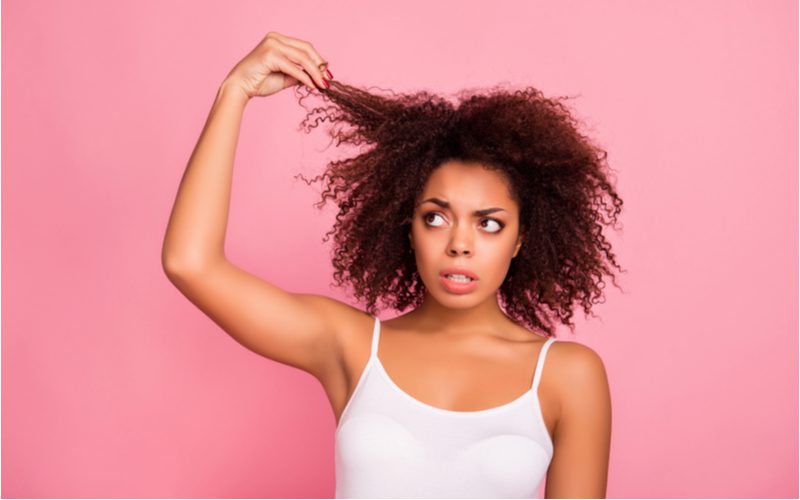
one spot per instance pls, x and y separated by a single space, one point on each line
445 204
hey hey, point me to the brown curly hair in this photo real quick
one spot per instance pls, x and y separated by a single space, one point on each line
558 178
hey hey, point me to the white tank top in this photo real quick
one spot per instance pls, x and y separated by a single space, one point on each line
389 444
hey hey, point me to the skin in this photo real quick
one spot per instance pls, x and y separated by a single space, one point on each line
276 324
454 236
574 392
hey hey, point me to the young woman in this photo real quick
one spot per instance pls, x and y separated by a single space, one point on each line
484 219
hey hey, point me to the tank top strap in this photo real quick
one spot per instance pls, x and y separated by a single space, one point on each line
376 333
537 376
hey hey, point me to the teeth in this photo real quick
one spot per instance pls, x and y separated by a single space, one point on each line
459 277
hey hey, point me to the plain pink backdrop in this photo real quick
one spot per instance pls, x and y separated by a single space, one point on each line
115 385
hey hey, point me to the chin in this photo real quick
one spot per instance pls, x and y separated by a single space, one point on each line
457 300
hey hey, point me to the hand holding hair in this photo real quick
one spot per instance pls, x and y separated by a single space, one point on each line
277 62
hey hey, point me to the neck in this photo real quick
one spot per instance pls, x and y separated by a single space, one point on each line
434 317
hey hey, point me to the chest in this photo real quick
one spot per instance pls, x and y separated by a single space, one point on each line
471 375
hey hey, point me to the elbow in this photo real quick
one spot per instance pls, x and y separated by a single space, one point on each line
174 265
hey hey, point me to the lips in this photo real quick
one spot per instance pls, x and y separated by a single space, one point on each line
458 270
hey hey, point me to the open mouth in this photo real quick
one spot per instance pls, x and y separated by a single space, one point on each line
458 278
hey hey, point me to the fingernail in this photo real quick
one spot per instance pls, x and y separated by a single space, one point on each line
330 75
328 85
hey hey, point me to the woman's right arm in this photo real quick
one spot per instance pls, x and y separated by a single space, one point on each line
295 329
195 235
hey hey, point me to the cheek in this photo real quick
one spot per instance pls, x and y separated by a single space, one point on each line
424 250
498 247
427 251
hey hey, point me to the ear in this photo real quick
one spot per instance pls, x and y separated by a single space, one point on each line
411 239
518 245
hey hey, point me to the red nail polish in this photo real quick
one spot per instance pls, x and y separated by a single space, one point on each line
330 75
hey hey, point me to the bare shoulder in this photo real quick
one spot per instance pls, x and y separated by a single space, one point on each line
352 330
573 359
346 321
343 316
348 327
354 339
577 368
582 437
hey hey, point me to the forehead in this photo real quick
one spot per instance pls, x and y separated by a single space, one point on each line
467 183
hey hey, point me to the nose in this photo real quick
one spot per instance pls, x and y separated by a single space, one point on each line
455 250
459 243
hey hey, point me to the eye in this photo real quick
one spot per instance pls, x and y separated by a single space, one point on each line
499 224
430 214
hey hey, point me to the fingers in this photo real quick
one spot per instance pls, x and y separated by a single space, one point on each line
299 57
292 70
305 52
302 45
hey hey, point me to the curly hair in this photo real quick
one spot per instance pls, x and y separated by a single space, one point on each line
558 177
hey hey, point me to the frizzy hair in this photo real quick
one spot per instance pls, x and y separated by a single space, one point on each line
558 177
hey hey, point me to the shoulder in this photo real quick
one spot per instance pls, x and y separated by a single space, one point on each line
582 435
573 359
354 330
579 377
345 321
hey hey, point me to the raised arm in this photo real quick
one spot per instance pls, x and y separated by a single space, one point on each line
195 235
300 330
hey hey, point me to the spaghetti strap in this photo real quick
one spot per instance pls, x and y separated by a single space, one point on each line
379 415
537 376
376 332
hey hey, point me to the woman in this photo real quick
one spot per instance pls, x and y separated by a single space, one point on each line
455 211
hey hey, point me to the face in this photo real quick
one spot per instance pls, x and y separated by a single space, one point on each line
465 218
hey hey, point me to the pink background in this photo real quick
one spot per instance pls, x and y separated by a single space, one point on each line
115 385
